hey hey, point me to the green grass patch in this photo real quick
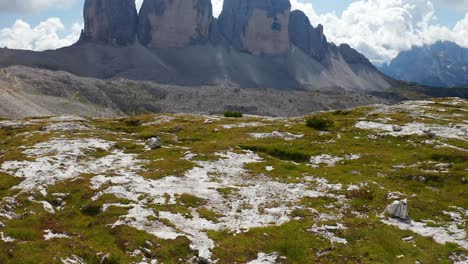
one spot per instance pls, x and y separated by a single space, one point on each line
235 114
321 124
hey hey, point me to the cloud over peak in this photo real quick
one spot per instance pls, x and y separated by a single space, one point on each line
41 37
378 29
31 6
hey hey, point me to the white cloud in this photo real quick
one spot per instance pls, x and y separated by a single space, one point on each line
25 6
217 7
42 37
138 4
381 29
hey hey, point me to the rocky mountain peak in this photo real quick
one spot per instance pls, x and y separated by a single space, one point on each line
303 35
110 22
174 23
256 26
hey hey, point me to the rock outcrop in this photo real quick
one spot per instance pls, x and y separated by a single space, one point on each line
256 26
303 35
174 23
398 209
352 56
110 22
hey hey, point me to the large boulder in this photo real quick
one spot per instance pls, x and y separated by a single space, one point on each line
256 26
174 23
398 209
303 35
110 22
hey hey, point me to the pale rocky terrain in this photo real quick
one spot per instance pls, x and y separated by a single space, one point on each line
237 190
29 92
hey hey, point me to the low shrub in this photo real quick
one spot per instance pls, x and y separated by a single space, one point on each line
91 209
317 123
280 152
236 114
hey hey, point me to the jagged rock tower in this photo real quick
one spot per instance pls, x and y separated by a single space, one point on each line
256 26
174 23
110 22
303 35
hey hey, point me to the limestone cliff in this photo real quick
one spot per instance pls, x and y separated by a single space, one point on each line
256 26
174 23
110 22
309 39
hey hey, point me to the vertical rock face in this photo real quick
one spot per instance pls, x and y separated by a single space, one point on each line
309 39
174 23
257 26
110 22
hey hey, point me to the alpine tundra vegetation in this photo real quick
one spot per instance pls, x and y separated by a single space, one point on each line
249 189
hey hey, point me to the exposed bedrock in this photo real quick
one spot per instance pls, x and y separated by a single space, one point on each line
256 26
174 23
110 22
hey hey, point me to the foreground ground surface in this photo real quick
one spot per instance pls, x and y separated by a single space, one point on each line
245 190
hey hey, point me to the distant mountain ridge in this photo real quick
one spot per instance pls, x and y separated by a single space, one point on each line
442 64
253 44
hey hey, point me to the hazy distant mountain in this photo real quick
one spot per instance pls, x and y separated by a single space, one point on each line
443 64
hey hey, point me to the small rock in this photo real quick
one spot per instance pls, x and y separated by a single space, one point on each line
105 257
397 128
400 256
372 137
408 239
149 244
155 143
398 209
208 121
429 133
148 253
2 225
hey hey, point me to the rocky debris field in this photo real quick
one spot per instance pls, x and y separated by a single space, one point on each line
182 188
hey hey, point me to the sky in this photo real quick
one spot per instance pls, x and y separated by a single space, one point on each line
380 29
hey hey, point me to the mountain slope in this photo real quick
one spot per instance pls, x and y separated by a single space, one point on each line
26 92
443 64
251 45
35 92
